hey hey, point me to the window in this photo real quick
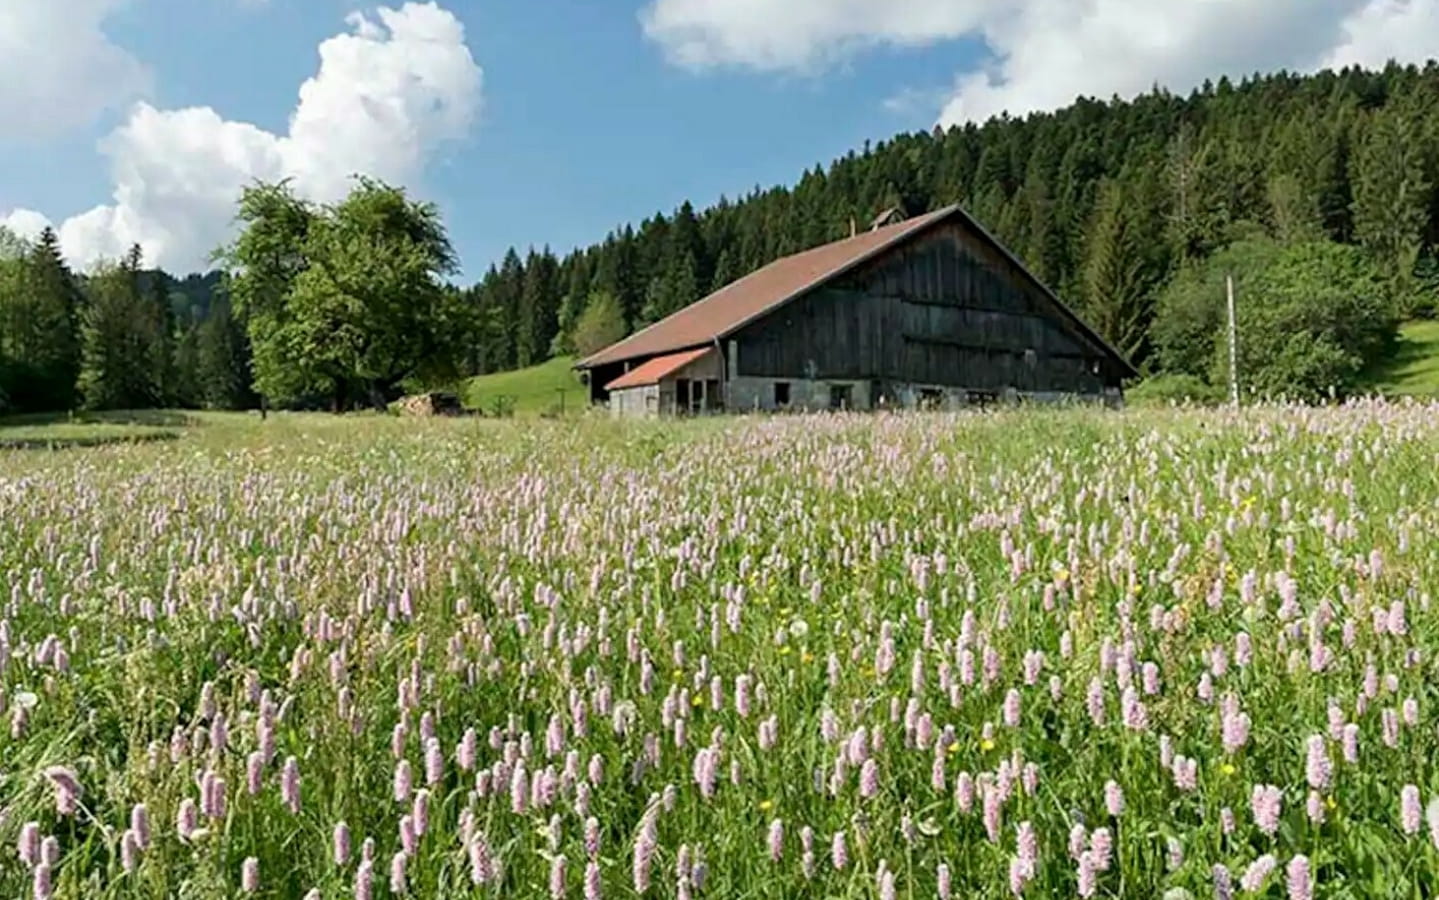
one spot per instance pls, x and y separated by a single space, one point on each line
781 393
682 395
841 396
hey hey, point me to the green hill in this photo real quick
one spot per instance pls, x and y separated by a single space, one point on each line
550 386
1413 368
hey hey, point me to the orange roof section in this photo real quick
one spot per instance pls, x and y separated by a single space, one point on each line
756 293
654 370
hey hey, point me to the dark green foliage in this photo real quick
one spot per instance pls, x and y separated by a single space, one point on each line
1309 316
1162 390
1132 210
601 324
222 360
120 340
343 299
39 326
1106 201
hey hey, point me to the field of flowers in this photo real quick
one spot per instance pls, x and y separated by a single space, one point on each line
1050 654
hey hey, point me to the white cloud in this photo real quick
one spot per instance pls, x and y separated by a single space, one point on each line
1044 53
1406 30
25 223
58 69
801 34
387 93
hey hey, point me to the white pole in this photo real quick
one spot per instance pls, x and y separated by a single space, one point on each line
1233 344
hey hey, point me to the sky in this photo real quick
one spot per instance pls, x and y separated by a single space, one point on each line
550 122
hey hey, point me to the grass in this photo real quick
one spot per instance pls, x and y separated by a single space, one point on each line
938 636
62 430
535 390
1413 369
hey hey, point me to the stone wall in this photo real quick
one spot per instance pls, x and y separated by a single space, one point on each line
750 394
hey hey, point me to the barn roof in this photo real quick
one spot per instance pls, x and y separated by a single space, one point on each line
741 302
655 369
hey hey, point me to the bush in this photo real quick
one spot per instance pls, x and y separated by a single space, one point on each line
1311 316
1175 388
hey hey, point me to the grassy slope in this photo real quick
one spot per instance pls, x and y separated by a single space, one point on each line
535 390
1414 367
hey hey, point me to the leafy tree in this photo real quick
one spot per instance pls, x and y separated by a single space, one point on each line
352 303
264 262
601 324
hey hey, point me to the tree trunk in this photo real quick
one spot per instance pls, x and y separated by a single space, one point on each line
339 401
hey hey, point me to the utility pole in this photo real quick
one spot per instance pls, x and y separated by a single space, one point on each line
1233 344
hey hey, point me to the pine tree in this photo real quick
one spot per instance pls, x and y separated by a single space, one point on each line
222 360
505 310
1114 289
117 370
38 329
538 309
1391 196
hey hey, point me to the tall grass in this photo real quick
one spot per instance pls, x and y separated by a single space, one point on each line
726 642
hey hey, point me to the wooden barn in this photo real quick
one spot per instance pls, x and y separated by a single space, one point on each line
929 311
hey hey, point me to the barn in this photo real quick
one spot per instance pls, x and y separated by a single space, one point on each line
929 311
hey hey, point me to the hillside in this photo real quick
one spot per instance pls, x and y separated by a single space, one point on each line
550 386
1413 368
1107 201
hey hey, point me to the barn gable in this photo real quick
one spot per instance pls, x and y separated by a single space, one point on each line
943 308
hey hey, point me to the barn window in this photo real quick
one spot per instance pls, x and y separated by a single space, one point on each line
841 396
781 393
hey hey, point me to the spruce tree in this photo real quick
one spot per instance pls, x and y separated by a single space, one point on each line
222 360
1391 196
116 370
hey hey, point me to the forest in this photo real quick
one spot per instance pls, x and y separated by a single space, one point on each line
1318 194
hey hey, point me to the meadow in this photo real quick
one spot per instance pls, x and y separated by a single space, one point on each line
1071 653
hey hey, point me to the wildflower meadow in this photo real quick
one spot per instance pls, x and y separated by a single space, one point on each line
1071 653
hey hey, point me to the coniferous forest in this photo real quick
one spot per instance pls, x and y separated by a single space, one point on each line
1318 194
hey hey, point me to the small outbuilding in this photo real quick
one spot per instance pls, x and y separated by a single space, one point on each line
925 312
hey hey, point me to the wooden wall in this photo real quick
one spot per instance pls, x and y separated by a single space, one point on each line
946 309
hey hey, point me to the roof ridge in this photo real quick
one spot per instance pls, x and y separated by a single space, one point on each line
873 241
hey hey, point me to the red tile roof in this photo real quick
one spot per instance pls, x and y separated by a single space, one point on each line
758 292
656 369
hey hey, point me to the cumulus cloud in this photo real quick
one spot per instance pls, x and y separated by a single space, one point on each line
58 70
387 93
1044 53
25 223
1406 30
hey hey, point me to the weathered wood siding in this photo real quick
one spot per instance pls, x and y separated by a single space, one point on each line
944 310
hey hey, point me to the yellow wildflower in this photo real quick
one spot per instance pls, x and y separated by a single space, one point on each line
697 701
766 805
1228 769
952 748
986 744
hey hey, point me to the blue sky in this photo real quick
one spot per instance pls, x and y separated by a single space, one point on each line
586 115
